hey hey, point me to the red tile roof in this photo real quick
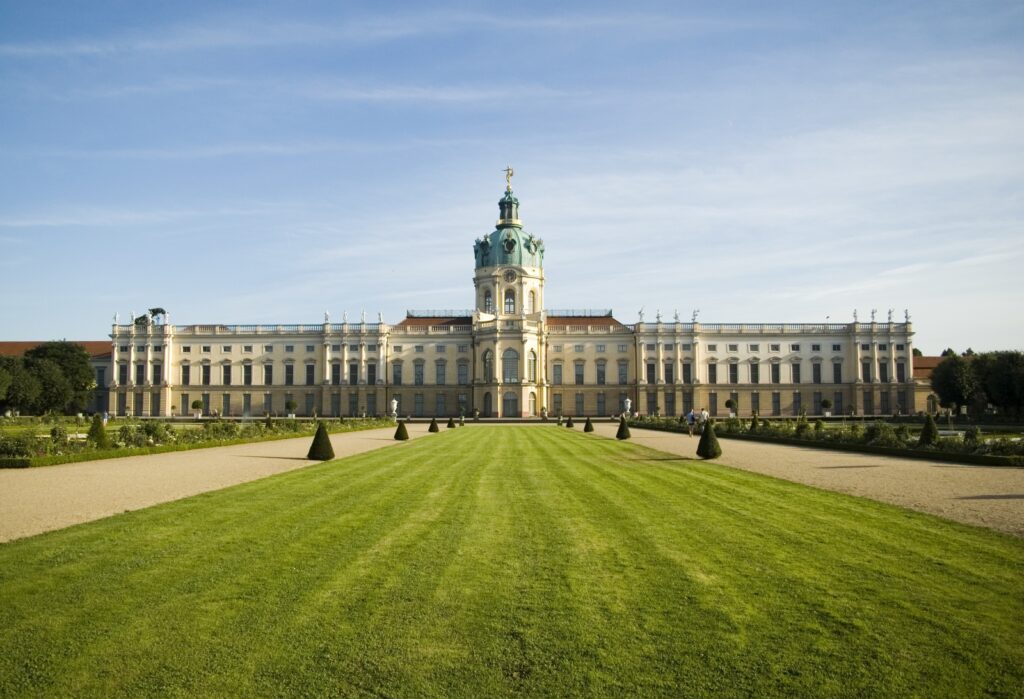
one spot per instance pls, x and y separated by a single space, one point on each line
923 366
95 348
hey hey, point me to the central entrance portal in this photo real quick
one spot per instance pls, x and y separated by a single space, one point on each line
510 405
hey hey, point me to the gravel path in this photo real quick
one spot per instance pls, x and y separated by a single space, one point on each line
986 496
36 500
42 499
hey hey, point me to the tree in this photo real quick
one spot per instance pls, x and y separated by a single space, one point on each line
54 389
954 382
948 352
1001 376
401 433
97 435
754 424
321 449
917 353
623 432
23 388
589 426
708 447
73 361
433 425
731 405
826 404
929 433
5 381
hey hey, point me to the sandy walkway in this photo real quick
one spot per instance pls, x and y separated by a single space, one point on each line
986 496
35 500
41 499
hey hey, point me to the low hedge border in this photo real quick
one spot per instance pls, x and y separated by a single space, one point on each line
57 459
929 455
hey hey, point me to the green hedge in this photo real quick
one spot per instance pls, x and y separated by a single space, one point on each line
99 454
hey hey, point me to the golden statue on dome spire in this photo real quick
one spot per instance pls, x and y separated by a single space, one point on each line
508 177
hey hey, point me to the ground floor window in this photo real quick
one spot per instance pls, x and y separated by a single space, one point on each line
776 403
353 404
225 404
816 409
246 404
869 403
371 404
687 402
417 402
600 403
533 403
154 404
441 404
713 404
557 404
579 404
652 403
755 403
310 403
796 403
510 405
268 404
670 404
137 410
884 407
838 403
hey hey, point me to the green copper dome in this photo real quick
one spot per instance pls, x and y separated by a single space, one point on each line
509 244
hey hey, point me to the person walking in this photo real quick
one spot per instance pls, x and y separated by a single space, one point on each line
691 419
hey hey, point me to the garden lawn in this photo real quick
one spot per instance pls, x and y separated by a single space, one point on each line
492 561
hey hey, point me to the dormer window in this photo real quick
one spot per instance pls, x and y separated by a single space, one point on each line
509 244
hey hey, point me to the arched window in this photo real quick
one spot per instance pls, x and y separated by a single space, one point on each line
510 366
510 301
488 302
533 403
488 366
531 302
532 367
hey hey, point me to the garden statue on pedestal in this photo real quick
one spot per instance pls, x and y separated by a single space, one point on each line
628 404
394 408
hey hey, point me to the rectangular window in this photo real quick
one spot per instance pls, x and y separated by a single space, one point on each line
650 347
247 374
463 373
353 348
652 403
774 348
397 348
158 348
776 372
556 374
899 348
733 348
577 348
441 404
883 348
556 348
713 404
837 348
796 403
901 372
685 347
289 374
268 403
837 372
268 374
371 348
816 373
463 349
247 349
268 349
418 348
601 408
623 373
186 406
463 399
670 376
353 404
901 402
734 373
310 348
652 369
755 402
557 403
578 373
755 373
225 348
794 348
140 373
225 404
883 404
600 348
865 371
140 348
226 374
687 372
158 374
712 373
869 403
336 348
310 374
206 374
837 403
371 379
310 404
206 348
289 348
154 404
816 408
600 377
754 348
883 375
776 403
396 374
796 373
579 404
712 348
353 374
622 348
417 373
187 349
865 347
439 373
336 376
441 348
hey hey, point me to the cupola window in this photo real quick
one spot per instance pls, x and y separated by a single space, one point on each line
488 302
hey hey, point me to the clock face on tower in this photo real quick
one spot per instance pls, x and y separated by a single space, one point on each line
510 276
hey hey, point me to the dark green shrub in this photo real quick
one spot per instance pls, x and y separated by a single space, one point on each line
559 420
708 447
97 435
59 436
321 449
972 436
803 427
268 424
623 432
929 433
754 425
819 429
433 425
401 433
451 422
569 423
903 434
589 427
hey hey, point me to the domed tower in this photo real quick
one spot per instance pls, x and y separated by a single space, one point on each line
509 315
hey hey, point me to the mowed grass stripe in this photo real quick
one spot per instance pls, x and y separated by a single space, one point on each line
497 561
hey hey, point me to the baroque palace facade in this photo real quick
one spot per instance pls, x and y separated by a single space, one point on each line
509 357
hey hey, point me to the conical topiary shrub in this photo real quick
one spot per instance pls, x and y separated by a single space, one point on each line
929 433
623 432
401 433
569 423
589 427
708 447
321 449
451 423
268 424
433 425
754 424
98 433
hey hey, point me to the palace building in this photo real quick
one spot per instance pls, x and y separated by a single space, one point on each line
510 357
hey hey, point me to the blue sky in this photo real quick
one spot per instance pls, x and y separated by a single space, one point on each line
760 162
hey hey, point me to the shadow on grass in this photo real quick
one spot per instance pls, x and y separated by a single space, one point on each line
1016 496
260 456
854 466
